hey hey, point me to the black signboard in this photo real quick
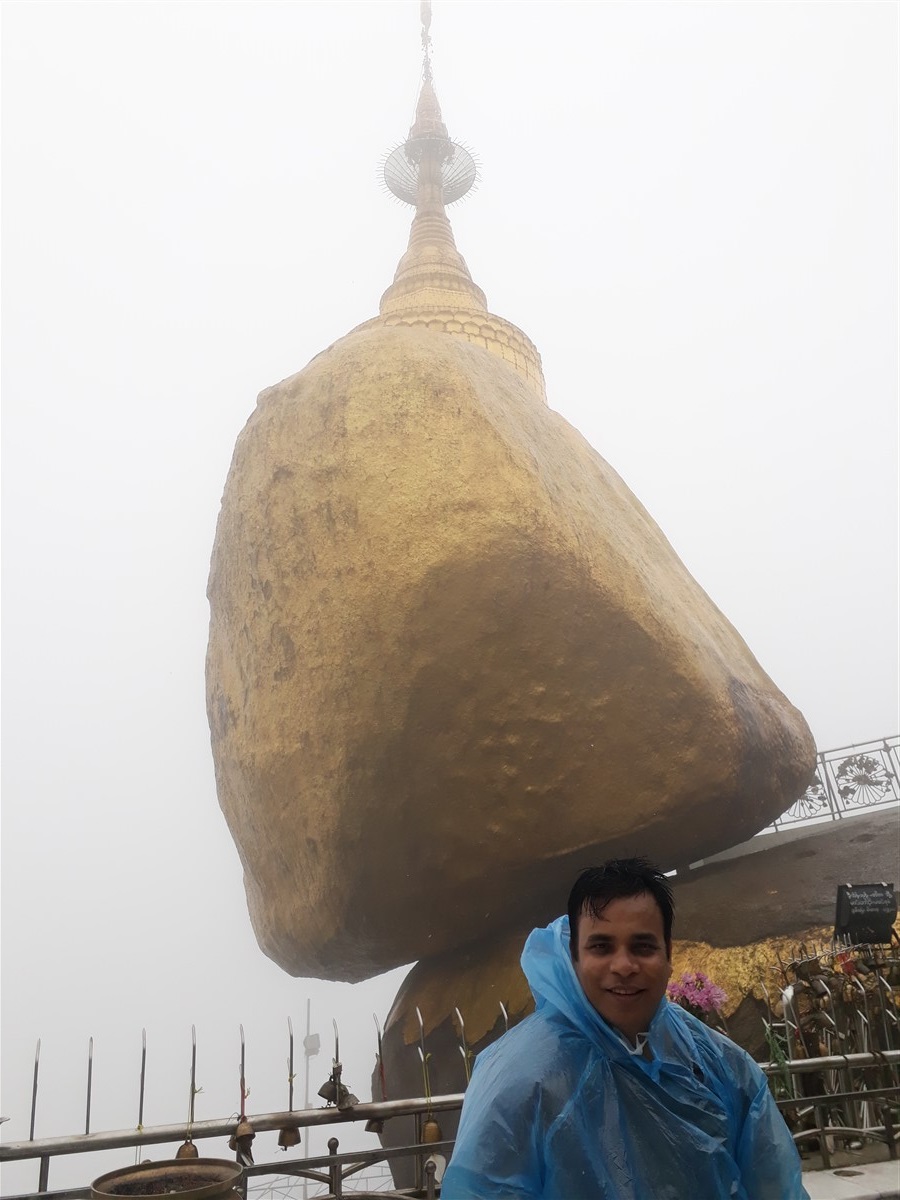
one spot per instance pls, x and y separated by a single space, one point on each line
865 912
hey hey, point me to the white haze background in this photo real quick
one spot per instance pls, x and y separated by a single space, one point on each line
690 208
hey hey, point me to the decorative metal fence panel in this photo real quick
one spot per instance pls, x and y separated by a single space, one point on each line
849 780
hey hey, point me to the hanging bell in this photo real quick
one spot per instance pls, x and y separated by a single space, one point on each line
346 1099
187 1150
244 1132
288 1136
374 1125
328 1091
431 1131
241 1141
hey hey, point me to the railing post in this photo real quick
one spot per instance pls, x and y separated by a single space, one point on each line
420 1179
430 1169
892 753
823 1138
889 1130
834 802
44 1173
334 1170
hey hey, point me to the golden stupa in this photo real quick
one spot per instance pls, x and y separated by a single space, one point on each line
432 287
452 659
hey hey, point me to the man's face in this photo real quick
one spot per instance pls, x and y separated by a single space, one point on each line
623 965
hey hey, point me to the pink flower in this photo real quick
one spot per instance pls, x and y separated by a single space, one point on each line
697 993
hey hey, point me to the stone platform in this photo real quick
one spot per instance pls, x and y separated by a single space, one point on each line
869 1181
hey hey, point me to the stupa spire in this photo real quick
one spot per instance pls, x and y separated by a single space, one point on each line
432 284
429 170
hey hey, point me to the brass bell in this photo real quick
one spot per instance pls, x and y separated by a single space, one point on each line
431 1131
374 1125
242 1140
288 1136
187 1150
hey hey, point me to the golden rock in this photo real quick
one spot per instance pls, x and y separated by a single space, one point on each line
452 659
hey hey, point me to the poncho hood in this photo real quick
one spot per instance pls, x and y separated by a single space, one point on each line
548 967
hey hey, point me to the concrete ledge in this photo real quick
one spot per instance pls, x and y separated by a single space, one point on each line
869 1181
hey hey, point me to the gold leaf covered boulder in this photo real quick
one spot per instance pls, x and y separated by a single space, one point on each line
452 659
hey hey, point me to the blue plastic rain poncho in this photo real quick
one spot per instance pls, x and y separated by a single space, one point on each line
561 1107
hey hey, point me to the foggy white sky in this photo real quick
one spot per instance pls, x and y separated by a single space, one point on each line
690 208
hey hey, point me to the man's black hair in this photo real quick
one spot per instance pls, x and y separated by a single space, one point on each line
597 886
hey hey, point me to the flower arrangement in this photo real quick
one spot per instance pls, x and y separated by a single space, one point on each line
698 994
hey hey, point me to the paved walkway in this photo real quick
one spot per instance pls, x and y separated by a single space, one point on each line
870 1181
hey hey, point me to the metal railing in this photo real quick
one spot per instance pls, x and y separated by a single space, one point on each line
863 1112
334 1169
847 781
330 1169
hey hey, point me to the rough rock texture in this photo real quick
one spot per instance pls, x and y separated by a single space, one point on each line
452 659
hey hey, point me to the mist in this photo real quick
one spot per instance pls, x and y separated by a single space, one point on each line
689 208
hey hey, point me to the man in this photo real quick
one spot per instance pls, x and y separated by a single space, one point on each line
608 1091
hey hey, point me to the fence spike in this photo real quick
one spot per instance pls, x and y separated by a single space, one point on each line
193 1080
34 1089
143 1078
290 1066
244 1092
381 1075
463 1045
423 1055
90 1076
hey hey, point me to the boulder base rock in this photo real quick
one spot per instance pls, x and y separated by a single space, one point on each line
787 882
452 660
